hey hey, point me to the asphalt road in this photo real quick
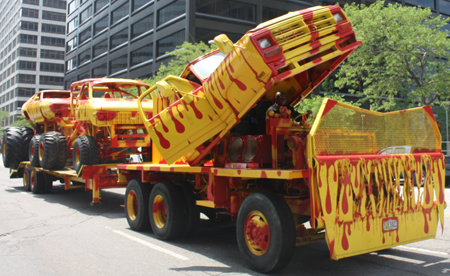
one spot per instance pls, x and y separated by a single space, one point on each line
62 234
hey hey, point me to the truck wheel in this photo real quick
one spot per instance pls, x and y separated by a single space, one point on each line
136 205
26 179
37 182
85 152
193 212
13 147
265 232
48 183
33 151
167 212
52 150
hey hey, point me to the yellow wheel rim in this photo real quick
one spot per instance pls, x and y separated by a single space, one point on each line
132 205
159 211
32 179
77 156
4 146
41 151
25 179
257 233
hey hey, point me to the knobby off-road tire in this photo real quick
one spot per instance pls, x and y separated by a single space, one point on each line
33 151
192 210
265 232
15 146
37 183
168 216
136 205
52 150
85 152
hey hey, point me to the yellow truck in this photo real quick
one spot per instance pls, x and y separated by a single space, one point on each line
217 150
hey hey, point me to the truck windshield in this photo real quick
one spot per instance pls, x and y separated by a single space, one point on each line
206 66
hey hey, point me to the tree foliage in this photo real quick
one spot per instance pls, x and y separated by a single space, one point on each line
403 60
182 55
21 121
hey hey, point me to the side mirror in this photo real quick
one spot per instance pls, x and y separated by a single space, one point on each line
164 88
224 43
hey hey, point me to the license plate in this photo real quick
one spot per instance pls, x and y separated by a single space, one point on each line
390 224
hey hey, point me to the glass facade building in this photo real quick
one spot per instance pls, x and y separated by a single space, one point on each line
130 38
31 50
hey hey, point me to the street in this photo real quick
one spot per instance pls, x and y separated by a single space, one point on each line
62 234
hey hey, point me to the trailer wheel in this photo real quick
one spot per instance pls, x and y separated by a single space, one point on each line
48 183
33 151
136 205
85 152
14 150
52 150
167 212
26 179
193 212
266 232
37 183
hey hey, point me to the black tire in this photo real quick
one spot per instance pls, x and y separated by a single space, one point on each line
52 150
275 255
48 184
136 205
193 212
26 179
15 146
168 217
85 152
33 151
37 182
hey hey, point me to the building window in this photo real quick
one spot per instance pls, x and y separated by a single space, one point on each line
84 57
72 6
24 78
83 76
54 29
52 41
270 13
141 55
118 64
99 4
169 43
119 13
71 44
51 80
171 11
85 35
231 9
26 65
54 16
30 39
99 72
72 25
51 54
101 25
119 38
31 2
136 4
71 64
100 48
444 6
25 92
55 4
52 67
206 35
26 52
142 26
29 26
422 3
30 13
86 14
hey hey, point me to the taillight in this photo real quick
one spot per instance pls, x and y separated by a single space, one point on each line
272 53
235 149
105 115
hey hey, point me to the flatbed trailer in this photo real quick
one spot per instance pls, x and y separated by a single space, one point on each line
90 178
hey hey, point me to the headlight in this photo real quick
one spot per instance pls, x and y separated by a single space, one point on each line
251 149
338 17
264 43
235 149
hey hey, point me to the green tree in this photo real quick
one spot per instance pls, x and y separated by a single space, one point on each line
402 61
21 121
182 55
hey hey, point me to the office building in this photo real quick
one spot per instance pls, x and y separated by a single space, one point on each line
31 50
